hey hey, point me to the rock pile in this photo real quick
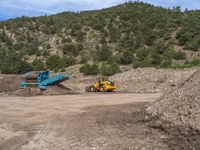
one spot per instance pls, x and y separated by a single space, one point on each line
151 80
182 106
9 83
58 90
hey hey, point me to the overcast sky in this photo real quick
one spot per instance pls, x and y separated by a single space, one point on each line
17 8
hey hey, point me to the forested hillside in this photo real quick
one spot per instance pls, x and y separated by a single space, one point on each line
136 34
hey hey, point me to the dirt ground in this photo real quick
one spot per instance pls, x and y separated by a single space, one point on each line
66 118
78 122
89 122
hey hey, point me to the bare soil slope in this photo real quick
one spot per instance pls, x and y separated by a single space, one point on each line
9 83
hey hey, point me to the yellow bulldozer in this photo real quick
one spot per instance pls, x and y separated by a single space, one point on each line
103 84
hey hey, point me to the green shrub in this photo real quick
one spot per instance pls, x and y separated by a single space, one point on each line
113 36
139 41
54 62
80 47
114 68
181 66
126 58
104 70
13 63
160 47
85 56
109 69
195 62
31 51
3 36
47 46
194 46
166 63
45 53
18 46
38 65
84 69
136 63
69 40
63 41
80 36
184 38
167 58
62 70
68 61
103 53
180 55
155 59
38 53
87 69
142 53
103 40
70 49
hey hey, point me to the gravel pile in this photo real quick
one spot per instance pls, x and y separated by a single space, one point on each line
58 90
182 106
9 83
151 80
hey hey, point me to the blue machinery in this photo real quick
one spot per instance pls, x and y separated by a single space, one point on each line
41 80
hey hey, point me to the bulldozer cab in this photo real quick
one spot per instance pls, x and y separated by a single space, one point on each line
102 79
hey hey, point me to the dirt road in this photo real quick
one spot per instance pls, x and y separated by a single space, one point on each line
80 122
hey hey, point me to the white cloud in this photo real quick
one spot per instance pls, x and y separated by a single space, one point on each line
16 8
53 6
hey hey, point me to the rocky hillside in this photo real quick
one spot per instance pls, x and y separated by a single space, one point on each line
136 34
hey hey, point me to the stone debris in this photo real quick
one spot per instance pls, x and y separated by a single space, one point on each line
181 107
151 80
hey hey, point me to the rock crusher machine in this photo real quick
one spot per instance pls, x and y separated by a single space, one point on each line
41 80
